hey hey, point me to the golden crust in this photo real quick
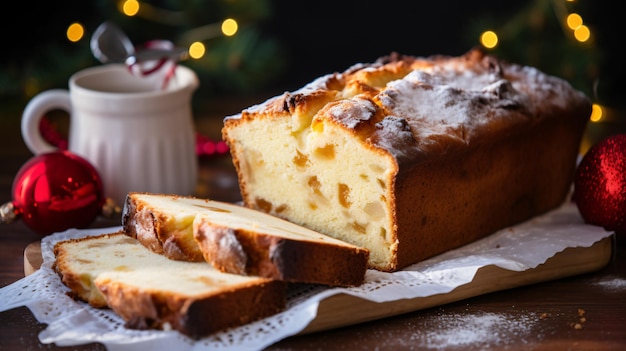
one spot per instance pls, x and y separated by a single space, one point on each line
238 250
195 316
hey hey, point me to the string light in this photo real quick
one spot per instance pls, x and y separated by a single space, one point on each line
582 33
196 50
596 113
130 7
489 39
75 32
574 21
229 27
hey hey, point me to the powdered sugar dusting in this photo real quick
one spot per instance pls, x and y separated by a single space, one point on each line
447 330
352 112
394 134
453 104
434 110
482 329
614 284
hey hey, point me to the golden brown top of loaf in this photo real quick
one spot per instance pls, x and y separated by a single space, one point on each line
412 106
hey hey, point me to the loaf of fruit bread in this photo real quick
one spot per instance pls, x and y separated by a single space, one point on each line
240 240
150 291
412 156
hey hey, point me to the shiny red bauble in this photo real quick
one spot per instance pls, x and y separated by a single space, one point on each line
56 191
600 185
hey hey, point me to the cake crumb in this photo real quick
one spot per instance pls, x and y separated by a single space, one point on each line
581 320
544 315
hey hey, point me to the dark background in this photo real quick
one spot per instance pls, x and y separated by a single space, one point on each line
326 36
315 37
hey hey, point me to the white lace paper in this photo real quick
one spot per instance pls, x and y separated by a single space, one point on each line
72 323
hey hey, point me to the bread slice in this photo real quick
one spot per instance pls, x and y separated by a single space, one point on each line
167 231
150 291
240 240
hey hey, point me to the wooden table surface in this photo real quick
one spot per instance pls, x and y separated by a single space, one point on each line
584 312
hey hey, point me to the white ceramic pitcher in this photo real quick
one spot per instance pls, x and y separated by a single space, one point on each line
138 135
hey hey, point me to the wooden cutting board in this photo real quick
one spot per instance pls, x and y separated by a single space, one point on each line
342 310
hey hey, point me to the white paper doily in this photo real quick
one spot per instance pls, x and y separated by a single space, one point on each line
518 248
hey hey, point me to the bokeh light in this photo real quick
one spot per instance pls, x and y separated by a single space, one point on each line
574 21
489 39
229 27
197 50
582 33
75 32
596 113
130 7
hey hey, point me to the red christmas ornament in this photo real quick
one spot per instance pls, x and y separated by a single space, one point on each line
55 191
600 185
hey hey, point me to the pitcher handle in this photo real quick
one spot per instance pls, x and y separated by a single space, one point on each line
35 110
